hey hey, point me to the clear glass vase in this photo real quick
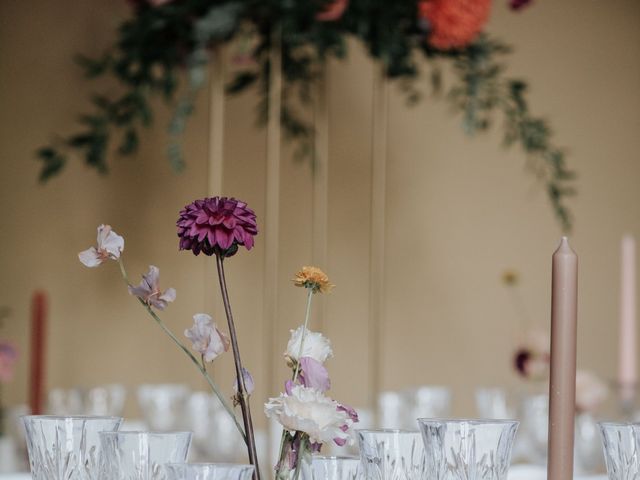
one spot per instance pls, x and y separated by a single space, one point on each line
620 445
142 455
391 454
208 471
333 468
468 449
66 448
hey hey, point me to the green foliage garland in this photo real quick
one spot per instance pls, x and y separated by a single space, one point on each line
164 38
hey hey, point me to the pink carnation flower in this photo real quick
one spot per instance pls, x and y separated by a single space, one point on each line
216 226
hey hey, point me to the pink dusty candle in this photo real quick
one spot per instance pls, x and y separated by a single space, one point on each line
562 383
627 373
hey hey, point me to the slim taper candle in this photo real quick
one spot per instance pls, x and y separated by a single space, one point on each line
562 384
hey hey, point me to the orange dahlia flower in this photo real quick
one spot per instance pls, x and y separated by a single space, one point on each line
453 23
314 278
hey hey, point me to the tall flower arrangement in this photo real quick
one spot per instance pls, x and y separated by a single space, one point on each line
216 227
162 38
308 416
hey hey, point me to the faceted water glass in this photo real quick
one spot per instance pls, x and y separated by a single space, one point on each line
66 448
399 409
495 402
208 471
391 454
105 400
163 405
391 406
215 436
142 455
427 401
588 447
333 468
620 445
100 400
534 429
468 449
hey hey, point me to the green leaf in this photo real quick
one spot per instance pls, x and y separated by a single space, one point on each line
129 143
218 23
241 81
94 68
53 163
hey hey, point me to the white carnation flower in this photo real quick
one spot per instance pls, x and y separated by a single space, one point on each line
316 345
308 410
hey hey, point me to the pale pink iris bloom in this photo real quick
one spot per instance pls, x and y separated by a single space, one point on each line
110 246
206 339
314 375
149 291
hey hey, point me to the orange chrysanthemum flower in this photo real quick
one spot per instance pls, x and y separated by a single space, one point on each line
314 278
453 23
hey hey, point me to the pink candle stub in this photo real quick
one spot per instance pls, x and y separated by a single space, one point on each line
627 370
562 382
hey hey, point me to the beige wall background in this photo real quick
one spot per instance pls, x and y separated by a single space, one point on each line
457 211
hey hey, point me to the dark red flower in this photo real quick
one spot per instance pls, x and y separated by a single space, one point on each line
519 4
216 226
520 360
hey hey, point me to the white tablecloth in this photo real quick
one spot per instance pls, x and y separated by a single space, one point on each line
516 472
534 472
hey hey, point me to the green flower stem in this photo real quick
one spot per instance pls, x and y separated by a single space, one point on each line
200 367
304 332
520 307
301 454
297 369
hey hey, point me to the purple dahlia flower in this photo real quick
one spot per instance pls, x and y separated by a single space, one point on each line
216 226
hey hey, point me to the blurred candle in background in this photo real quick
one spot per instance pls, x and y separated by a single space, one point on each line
38 345
627 371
